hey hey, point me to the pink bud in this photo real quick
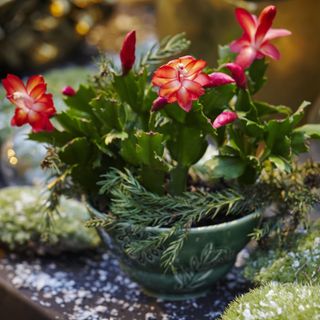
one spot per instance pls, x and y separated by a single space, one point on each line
237 73
127 53
224 118
68 91
219 79
159 104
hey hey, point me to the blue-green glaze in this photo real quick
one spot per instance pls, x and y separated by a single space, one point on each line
207 255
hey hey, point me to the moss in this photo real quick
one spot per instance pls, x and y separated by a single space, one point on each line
298 262
22 223
276 302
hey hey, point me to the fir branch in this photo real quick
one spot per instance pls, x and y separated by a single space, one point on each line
167 48
132 204
170 254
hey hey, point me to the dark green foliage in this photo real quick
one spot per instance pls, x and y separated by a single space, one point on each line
132 203
256 75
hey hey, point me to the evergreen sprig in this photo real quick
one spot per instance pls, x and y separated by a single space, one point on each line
132 204
167 48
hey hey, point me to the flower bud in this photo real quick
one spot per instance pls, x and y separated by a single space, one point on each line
237 73
218 79
224 118
159 104
127 53
68 91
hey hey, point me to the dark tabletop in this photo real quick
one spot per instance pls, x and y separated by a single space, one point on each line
91 286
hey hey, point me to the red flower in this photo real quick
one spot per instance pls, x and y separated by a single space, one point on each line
68 91
237 73
224 118
127 53
254 43
181 80
33 104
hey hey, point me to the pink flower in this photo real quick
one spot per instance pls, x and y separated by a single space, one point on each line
159 104
68 91
237 73
33 104
127 53
181 80
224 118
254 43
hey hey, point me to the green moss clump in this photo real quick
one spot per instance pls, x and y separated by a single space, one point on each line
22 223
298 262
276 302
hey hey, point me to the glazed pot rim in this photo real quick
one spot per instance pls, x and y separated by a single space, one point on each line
252 216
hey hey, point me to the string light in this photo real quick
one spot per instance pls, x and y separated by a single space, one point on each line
59 8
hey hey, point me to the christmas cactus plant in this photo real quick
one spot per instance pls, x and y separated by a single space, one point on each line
137 131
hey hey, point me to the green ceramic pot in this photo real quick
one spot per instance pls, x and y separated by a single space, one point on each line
206 256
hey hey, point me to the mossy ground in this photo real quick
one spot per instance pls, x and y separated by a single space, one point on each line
276 302
22 223
298 262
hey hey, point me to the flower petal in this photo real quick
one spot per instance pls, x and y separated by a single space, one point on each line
13 84
276 33
37 120
166 72
183 60
45 105
193 87
246 57
237 45
270 50
48 125
246 21
194 67
172 98
169 88
265 22
20 118
38 91
184 99
34 81
159 82
219 79
203 79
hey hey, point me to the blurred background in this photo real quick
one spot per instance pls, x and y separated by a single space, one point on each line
63 38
